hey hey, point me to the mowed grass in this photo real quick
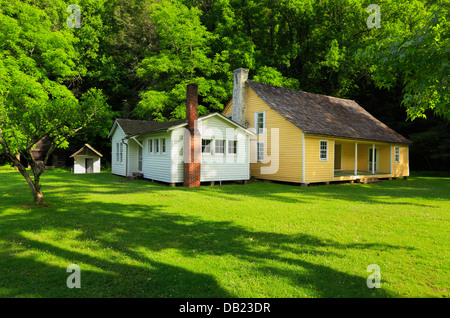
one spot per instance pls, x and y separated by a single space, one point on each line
143 239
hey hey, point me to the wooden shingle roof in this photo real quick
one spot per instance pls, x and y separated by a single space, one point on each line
325 115
133 127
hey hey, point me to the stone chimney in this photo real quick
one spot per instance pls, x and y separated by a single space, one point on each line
238 115
192 140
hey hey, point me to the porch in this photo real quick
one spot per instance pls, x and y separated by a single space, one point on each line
348 173
356 160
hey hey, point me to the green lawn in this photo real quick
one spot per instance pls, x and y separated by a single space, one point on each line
143 239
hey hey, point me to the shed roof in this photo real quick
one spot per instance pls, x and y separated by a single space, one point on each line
88 147
325 115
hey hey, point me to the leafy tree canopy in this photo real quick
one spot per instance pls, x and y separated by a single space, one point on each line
36 62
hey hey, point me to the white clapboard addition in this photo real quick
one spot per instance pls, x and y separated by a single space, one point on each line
156 151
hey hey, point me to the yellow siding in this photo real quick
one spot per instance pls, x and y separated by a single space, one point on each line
290 165
383 161
348 157
401 168
363 156
315 169
290 142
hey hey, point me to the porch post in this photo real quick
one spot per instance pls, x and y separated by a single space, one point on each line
356 158
373 158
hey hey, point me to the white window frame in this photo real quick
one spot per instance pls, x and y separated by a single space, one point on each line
140 158
150 146
117 153
320 150
224 142
210 146
397 154
235 146
157 146
257 131
260 155
163 145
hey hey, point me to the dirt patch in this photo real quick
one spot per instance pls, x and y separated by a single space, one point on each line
121 180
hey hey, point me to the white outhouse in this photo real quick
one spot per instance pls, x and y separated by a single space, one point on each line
86 160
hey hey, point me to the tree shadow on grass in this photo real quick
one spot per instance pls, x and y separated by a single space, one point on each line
102 277
139 233
386 193
90 233
396 192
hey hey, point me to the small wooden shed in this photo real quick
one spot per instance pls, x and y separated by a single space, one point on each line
86 160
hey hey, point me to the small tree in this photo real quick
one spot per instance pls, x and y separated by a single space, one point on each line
36 61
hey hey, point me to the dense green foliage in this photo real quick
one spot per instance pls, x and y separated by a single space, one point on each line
142 53
37 64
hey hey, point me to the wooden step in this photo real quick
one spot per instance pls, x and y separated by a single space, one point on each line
138 175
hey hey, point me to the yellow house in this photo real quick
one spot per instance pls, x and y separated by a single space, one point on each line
307 138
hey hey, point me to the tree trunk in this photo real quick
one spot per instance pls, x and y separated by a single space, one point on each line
38 197
37 170
34 185
18 159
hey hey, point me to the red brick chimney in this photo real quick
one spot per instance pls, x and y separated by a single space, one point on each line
192 141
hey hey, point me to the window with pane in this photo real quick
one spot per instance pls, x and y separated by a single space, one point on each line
324 150
232 146
260 123
206 145
150 146
163 145
397 154
219 146
260 151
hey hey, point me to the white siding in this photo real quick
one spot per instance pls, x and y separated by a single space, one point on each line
169 166
118 168
156 166
177 163
80 164
215 167
97 168
132 156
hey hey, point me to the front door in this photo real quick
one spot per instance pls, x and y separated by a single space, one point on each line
373 157
140 159
89 164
